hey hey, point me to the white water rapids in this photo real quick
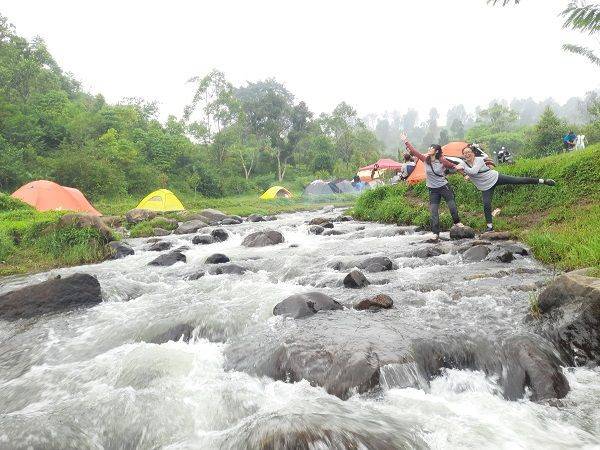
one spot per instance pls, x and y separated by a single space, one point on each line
94 379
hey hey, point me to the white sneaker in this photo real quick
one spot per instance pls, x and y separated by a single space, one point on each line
431 237
460 225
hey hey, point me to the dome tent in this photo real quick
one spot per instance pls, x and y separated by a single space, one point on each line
46 195
276 192
161 200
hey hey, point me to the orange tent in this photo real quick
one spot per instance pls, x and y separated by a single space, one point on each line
450 149
46 195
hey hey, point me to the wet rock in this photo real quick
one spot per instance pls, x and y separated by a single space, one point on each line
570 316
230 221
501 255
51 296
303 305
316 229
476 253
270 218
112 221
332 232
203 239
376 264
497 235
168 259
255 218
466 246
196 276
427 252
160 246
219 234
191 226
217 258
227 269
515 249
119 250
79 220
380 301
461 232
160 232
134 216
355 280
263 238
327 225
182 331
212 215
319 221
343 219
182 248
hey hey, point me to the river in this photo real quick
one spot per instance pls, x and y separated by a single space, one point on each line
109 377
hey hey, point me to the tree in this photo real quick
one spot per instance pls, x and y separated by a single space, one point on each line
498 117
444 137
457 129
547 135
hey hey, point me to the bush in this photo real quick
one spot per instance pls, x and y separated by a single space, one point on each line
8 203
146 228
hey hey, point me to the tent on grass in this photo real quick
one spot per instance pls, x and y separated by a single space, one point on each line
276 192
384 164
161 200
320 187
452 150
46 195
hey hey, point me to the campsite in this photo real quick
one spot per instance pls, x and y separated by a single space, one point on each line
275 225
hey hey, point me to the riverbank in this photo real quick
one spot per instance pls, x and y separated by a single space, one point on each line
31 241
560 223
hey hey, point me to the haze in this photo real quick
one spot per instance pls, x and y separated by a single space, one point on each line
375 55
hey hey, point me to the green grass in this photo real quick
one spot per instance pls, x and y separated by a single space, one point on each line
146 228
560 223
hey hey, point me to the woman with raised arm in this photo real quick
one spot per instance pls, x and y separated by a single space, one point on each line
486 179
435 165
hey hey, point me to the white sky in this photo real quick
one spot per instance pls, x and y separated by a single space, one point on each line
377 55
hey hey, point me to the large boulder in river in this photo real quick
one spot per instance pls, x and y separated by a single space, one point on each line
139 215
191 226
219 234
316 229
255 218
160 246
463 232
476 253
380 301
118 250
376 264
51 296
263 238
203 239
81 220
570 316
355 280
168 259
302 305
212 215
217 258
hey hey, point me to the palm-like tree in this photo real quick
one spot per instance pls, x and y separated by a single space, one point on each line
579 15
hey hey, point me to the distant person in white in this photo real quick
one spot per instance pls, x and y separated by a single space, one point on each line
580 141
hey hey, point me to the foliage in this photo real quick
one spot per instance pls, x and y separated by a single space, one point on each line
146 228
547 135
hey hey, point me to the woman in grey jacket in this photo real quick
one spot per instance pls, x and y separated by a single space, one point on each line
486 179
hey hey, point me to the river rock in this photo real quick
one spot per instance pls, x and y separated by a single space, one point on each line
427 252
461 232
515 249
160 246
190 226
570 316
119 250
203 239
196 276
476 253
327 225
212 215
227 269
316 229
112 221
380 301
51 296
136 215
270 218
343 219
319 221
80 220
168 259
307 304
376 264
219 234
181 331
332 232
255 218
501 254
160 232
217 258
263 238
497 235
230 221
355 280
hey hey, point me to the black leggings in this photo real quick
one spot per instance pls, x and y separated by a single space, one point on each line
502 179
435 197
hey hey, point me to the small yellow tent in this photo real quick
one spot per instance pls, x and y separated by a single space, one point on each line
276 192
161 200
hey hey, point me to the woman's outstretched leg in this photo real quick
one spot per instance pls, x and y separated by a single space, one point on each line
508 179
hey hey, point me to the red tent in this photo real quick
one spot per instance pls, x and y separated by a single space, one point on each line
46 195
384 163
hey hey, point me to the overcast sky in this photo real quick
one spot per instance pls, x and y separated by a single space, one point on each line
376 55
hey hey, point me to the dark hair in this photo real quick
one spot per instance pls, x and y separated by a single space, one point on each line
407 157
438 152
476 149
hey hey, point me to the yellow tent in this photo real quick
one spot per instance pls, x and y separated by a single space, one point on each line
276 192
161 200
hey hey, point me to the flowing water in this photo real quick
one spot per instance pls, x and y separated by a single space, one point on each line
117 375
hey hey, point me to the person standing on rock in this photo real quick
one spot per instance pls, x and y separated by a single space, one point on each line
486 179
435 166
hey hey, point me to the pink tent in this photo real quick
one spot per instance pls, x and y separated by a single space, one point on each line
384 163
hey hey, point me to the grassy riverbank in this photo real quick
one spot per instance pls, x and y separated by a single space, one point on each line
31 241
560 223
